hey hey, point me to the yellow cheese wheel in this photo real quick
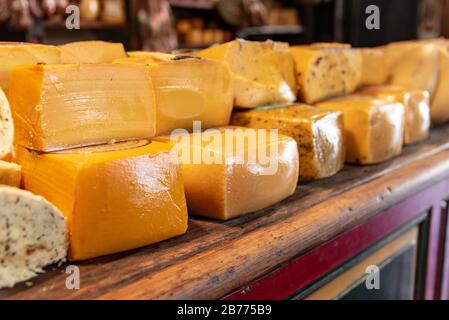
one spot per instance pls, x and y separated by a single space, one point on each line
91 52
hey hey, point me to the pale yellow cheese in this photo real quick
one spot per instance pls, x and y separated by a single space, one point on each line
374 128
187 89
68 105
91 52
263 72
318 133
6 128
439 109
375 68
233 171
10 174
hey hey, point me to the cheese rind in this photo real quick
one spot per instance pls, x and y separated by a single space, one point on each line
318 133
439 108
64 106
375 68
417 108
187 89
224 180
91 52
10 174
33 235
263 72
115 197
6 128
374 128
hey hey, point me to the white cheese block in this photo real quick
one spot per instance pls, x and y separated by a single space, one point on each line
6 127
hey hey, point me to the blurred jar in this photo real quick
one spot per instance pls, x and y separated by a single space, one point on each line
113 11
90 9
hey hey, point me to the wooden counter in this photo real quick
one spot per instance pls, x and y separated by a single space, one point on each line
214 258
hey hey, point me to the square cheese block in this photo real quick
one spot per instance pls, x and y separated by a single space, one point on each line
263 72
318 133
326 70
114 197
10 174
417 108
91 52
6 128
187 89
229 172
15 54
439 108
63 106
374 128
375 68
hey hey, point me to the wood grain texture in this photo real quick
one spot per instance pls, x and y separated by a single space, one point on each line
215 258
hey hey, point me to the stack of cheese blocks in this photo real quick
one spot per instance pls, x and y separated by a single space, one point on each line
88 127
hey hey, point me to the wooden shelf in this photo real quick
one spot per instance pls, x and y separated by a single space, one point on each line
190 4
86 25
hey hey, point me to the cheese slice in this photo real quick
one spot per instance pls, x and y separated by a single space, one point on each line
69 105
33 234
91 52
375 69
187 89
374 128
115 197
6 128
15 54
10 174
440 104
229 172
318 133
325 71
417 109
263 72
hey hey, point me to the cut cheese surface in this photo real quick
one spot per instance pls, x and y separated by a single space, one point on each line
440 103
115 197
10 174
232 171
374 128
263 72
91 52
375 68
417 108
15 54
318 133
6 128
187 89
325 71
64 106
33 235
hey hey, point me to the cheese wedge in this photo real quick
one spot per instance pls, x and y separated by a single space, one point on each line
374 128
375 69
326 70
10 174
33 234
64 106
417 108
440 104
263 72
115 197
187 89
91 52
15 54
6 128
232 171
318 133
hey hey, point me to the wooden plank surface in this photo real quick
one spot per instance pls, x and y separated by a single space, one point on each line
214 258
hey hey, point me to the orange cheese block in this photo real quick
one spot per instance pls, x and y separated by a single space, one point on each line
114 197
10 174
417 108
69 105
375 68
91 52
187 89
232 171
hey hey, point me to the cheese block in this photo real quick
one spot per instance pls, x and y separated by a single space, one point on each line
318 133
374 128
324 71
440 104
187 89
68 105
375 69
229 172
115 197
33 234
263 72
6 128
417 109
14 54
10 174
91 52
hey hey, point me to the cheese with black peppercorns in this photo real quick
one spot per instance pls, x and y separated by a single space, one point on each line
33 235
6 127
